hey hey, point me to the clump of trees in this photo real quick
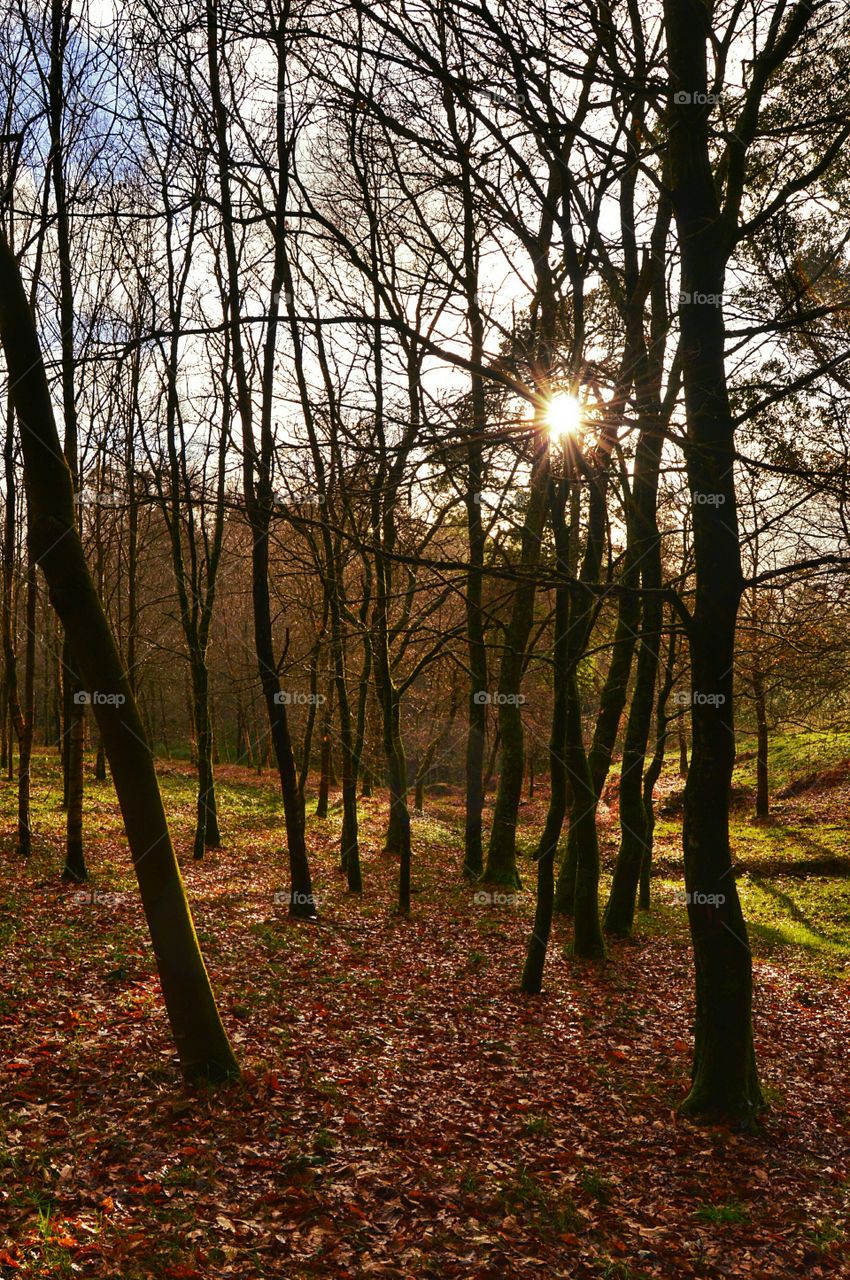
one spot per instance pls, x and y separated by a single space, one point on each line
456 397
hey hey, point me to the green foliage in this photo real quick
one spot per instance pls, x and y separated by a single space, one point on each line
723 1214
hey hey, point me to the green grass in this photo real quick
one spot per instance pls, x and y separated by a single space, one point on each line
595 1184
811 913
793 887
551 1209
793 755
787 843
724 1214
808 917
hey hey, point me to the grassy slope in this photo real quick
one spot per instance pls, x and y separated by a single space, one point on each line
788 901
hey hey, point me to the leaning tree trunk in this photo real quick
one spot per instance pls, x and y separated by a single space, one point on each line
201 1041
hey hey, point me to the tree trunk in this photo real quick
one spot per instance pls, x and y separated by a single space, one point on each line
202 1045
207 834
532 977
75 864
724 1078
619 913
587 932
682 739
762 793
611 704
307 740
325 763
501 868
653 772
25 755
256 467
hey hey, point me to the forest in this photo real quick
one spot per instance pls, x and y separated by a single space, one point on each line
425 611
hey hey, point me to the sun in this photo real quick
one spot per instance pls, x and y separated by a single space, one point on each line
563 416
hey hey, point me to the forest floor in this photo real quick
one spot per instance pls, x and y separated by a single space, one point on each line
405 1111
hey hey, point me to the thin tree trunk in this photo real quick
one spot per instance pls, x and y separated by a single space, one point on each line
256 474
207 834
325 762
532 977
24 820
682 738
75 864
619 912
307 740
653 772
501 868
762 791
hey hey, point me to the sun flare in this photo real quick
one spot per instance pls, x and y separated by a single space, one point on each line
563 416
